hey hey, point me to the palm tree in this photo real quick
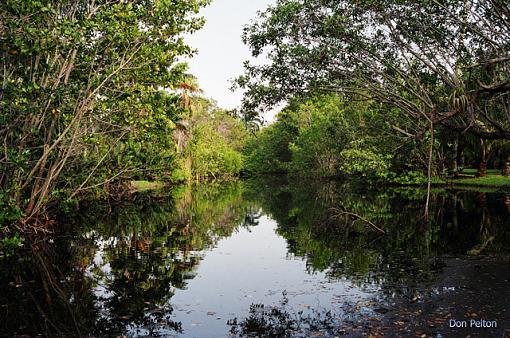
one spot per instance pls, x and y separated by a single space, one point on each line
183 127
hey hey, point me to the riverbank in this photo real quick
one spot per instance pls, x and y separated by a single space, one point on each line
140 186
467 180
491 180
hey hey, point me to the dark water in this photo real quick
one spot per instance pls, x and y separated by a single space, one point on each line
267 258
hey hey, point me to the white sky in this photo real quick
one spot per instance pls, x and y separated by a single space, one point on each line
221 51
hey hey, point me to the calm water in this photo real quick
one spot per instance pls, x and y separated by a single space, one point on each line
266 257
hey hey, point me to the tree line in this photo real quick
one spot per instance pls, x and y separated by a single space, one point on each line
432 76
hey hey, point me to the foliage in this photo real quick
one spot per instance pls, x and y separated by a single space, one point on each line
324 136
212 155
8 245
362 161
9 213
81 100
211 141
323 132
440 63
434 74
268 150
411 178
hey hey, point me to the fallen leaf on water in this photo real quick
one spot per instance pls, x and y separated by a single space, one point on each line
375 335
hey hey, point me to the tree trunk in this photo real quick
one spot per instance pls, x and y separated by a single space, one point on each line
505 171
460 158
482 169
455 156
507 202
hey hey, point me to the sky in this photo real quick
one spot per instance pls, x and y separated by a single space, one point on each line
221 52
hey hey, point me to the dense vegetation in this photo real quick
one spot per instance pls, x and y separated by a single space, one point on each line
97 105
93 95
433 76
326 137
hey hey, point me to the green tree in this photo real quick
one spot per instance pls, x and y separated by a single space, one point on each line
79 77
325 136
267 151
439 62
209 141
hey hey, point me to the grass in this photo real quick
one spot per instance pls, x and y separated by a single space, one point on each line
489 180
146 185
493 179
471 171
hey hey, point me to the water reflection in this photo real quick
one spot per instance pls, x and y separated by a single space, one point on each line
461 222
186 261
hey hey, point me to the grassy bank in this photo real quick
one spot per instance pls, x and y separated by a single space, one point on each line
493 179
467 180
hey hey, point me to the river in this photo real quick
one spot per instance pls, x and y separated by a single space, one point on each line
268 257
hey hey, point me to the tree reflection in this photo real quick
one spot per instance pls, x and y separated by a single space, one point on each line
116 268
460 222
119 272
45 293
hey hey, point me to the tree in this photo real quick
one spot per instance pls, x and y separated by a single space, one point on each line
325 136
217 141
439 62
79 72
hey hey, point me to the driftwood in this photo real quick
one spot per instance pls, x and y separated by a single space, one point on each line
356 216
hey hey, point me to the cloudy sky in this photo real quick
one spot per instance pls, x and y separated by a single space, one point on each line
220 50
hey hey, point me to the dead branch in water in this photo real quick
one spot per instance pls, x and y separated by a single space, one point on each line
340 212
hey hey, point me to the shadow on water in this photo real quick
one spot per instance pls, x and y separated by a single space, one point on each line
117 268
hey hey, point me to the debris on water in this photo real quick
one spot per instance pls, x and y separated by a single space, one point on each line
381 310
